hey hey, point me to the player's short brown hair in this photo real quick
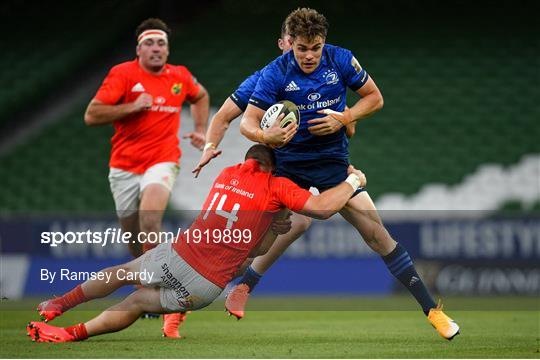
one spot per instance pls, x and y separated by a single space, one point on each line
263 154
283 30
152 23
307 23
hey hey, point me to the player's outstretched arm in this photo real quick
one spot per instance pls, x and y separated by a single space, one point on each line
99 113
200 107
216 131
332 200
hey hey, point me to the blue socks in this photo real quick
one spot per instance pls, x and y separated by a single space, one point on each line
251 278
401 266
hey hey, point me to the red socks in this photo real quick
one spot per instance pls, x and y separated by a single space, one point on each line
72 298
78 331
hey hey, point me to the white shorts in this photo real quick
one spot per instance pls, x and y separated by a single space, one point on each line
181 287
127 187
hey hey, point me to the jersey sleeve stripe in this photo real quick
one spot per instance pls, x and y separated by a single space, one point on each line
259 103
364 77
236 99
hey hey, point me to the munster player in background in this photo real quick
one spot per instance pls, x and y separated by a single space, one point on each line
143 98
190 273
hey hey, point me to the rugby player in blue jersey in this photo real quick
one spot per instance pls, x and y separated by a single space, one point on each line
235 105
315 76
232 108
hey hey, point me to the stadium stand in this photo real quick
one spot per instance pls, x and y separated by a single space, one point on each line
455 98
50 47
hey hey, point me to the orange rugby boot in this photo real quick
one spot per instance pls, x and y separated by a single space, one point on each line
41 332
49 309
236 300
445 326
171 323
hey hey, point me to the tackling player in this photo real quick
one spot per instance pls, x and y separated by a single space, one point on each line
315 76
143 98
191 272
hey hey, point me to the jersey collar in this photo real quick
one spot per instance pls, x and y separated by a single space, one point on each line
165 69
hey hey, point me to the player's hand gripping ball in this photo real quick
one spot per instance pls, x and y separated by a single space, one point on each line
289 109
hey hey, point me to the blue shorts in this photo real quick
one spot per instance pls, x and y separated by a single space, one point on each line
320 174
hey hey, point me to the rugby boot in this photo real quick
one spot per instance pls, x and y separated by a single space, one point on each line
236 300
42 332
445 326
49 309
171 323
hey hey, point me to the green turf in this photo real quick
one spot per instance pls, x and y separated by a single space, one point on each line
301 334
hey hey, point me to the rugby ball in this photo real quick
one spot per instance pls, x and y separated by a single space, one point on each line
292 115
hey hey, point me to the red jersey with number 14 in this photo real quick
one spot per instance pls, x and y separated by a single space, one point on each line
148 137
235 217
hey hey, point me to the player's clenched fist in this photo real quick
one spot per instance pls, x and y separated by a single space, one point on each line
360 174
143 102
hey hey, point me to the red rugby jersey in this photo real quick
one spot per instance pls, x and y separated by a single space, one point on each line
243 198
147 137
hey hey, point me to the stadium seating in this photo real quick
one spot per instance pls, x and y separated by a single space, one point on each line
50 47
454 100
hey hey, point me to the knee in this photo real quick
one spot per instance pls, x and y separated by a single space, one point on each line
378 239
132 302
301 225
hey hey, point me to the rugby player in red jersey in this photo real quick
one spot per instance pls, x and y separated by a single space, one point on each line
191 272
143 98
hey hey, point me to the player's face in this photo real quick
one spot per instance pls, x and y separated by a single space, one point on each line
153 54
308 53
285 43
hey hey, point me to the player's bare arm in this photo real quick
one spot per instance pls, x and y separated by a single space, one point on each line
332 200
200 106
216 131
370 102
350 130
274 136
97 113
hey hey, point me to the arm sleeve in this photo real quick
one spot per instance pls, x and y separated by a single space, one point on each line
113 88
288 194
266 90
355 76
191 85
241 96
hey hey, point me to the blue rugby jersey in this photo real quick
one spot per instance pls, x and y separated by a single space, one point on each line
241 96
325 88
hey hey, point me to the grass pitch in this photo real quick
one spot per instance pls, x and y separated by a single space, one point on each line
509 328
